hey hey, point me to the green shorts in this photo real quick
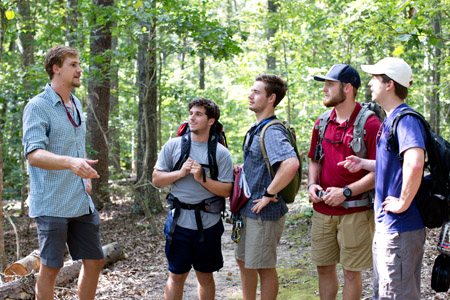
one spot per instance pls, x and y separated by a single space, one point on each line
346 239
258 243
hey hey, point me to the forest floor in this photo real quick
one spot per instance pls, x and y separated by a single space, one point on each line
143 272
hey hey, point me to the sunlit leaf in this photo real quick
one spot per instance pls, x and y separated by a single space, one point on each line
433 41
138 4
9 14
404 37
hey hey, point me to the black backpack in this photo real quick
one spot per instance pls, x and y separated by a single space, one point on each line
432 199
214 204
216 135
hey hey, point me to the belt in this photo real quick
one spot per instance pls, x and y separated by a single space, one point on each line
357 203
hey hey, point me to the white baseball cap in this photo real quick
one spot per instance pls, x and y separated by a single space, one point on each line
396 68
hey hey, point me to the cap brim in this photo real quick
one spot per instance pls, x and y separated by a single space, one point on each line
372 69
323 78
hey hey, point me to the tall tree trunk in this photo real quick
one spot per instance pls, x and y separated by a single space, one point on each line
367 92
159 102
147 124
72 19
2 234
26 37
26 34
271 30
435 76
114 112
202 72
3 24
2 122
183 54
98 101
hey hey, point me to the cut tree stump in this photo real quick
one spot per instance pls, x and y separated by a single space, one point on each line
23 287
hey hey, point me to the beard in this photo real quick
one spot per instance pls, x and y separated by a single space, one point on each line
335 100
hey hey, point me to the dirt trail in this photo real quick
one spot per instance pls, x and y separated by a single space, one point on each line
143 273
228 284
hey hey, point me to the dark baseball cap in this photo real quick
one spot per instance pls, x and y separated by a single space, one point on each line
343 73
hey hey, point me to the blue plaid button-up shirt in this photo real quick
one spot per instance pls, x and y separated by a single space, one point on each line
55 193
258 177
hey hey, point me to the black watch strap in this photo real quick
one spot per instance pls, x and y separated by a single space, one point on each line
267 194
347 192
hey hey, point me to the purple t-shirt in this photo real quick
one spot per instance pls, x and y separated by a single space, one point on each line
388 172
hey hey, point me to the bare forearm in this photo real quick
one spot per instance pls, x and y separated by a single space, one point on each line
364 184
314 172
218 188
163 178
412 175
368 164
284 175
44 159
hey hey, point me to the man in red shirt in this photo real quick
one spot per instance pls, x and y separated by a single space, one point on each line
342 226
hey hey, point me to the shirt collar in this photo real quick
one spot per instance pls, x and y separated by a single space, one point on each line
54 97
352 116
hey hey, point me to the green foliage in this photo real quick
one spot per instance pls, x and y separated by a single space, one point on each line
311 36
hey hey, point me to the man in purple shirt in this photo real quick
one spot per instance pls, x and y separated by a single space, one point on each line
399 229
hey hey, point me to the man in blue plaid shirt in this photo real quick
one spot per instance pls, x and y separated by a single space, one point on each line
264 213
54 131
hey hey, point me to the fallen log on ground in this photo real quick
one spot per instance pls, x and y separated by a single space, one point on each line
23 287
24 266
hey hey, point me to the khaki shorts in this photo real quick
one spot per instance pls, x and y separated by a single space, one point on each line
258 244
346 239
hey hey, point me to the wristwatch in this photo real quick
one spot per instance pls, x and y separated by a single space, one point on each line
347 192
267 194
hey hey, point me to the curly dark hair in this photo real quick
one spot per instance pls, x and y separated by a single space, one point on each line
211 108
56 56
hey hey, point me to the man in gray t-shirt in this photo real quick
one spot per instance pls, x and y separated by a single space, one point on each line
195 240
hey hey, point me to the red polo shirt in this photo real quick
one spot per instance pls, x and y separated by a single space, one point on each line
333 175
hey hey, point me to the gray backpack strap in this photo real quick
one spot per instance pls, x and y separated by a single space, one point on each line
324 118
357 144
323 121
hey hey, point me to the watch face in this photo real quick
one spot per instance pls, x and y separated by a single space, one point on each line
347 192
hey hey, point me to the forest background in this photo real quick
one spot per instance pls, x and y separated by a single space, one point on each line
143 61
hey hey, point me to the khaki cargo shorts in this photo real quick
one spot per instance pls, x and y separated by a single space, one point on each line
258 244
346 239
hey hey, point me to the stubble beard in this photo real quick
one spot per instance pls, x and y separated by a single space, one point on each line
337 99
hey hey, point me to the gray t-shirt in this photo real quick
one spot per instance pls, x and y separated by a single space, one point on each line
187 189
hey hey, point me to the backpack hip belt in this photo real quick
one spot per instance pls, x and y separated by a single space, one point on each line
357 203
213 205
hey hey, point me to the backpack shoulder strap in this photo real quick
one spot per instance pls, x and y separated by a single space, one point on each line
324 118
262 146
357 144
392 139
184 152
212 151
